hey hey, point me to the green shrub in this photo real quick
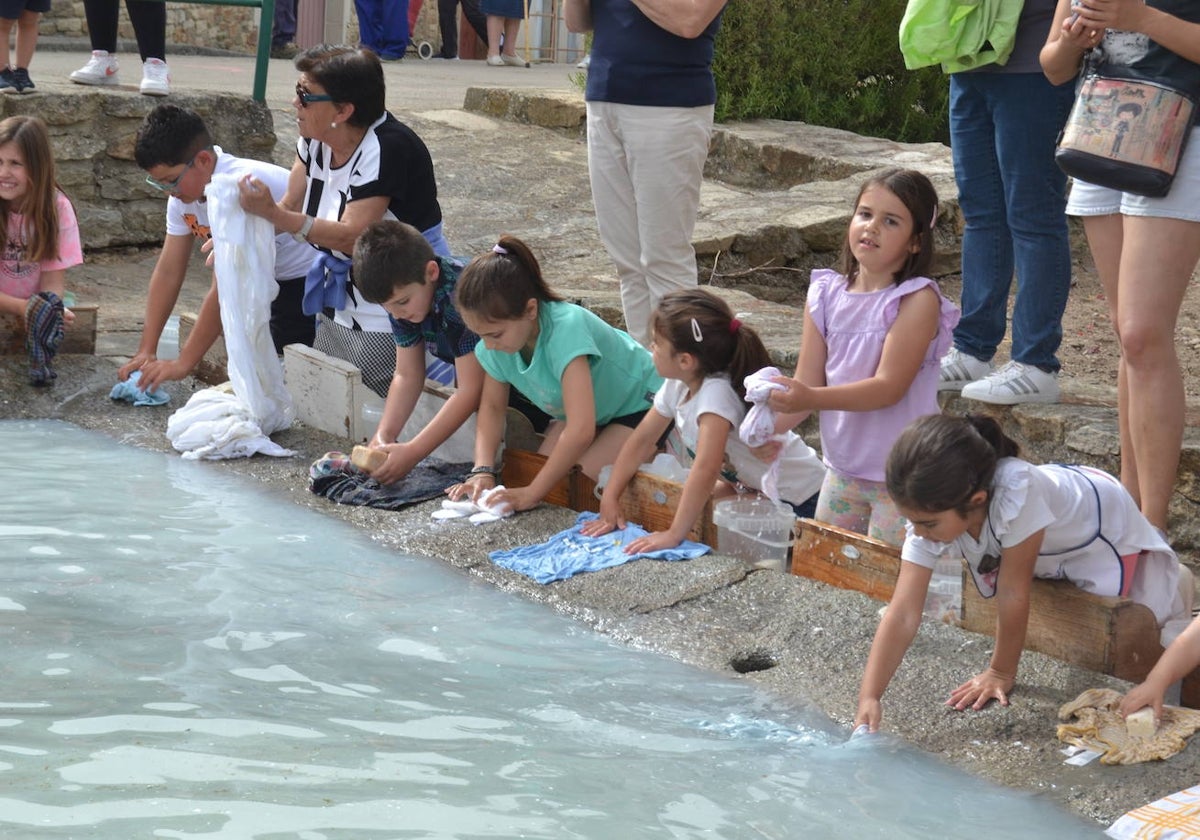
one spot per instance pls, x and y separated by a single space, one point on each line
828 62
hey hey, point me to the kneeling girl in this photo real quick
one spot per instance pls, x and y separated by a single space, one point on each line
964 492
593 380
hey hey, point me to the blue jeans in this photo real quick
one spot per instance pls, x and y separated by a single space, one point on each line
1003 130
283 28
383 26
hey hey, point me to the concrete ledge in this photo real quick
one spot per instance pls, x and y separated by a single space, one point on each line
547 108
776 194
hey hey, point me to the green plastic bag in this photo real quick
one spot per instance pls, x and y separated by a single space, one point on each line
958 34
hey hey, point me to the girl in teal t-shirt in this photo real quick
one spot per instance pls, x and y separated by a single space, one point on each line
593 380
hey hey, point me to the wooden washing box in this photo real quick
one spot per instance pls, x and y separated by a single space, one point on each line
1111 635
649 500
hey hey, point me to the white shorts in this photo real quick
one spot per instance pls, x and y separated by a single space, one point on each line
1182 202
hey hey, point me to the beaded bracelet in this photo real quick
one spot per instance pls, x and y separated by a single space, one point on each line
492 471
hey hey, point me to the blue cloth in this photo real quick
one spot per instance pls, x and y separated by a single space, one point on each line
437 240
130 392
325 284
1003 128
569 552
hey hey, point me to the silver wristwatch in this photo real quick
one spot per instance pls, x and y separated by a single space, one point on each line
302 234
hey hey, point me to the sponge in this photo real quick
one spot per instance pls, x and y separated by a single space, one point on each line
367 459
1140 724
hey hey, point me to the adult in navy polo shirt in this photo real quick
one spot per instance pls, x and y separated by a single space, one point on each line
650 96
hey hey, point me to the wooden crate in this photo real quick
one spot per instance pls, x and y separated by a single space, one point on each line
1111 635
79 338
574 490
845 559
213 368
651 501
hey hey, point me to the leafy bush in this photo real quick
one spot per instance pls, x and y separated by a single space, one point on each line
835 63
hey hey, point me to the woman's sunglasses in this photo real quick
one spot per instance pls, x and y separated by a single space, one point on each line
307 98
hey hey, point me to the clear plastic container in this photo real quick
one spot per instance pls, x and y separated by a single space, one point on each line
168 341
756 530
372 413
943 602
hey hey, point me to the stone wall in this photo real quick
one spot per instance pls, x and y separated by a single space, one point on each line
231 28
222 27
93 133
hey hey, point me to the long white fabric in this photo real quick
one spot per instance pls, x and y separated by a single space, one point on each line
215 423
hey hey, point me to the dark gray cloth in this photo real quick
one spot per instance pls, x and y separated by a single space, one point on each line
334 477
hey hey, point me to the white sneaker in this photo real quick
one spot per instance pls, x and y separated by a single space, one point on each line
495 61
959 369
1015 383
156 81
101 69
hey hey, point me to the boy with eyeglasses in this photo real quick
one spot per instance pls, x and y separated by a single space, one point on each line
176 150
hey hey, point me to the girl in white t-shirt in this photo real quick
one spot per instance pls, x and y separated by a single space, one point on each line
39 235
965 494
704 354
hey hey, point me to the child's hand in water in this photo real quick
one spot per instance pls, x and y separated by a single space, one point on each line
793 398
977 691
869 713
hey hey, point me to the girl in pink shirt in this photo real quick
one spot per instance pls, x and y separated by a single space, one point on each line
40 239
874 330
37 223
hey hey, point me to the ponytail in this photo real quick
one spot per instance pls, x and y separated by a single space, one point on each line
497 285
698 322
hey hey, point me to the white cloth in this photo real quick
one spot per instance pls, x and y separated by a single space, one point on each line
800 471
190 218
219 424
216 424
759 425
479 511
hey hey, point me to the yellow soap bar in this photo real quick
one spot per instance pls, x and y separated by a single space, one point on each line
366 458
1140 724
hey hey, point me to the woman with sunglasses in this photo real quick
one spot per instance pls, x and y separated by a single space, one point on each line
355 164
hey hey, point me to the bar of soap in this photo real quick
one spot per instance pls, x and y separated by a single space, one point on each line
1140 724
366 458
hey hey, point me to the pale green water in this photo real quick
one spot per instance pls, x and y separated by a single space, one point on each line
187 658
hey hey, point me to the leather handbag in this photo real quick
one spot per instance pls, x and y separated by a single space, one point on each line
1126 134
